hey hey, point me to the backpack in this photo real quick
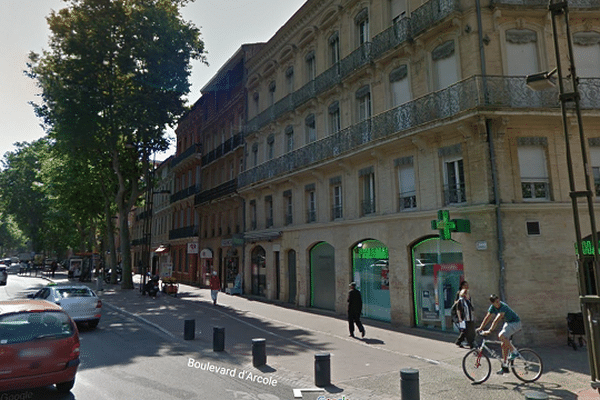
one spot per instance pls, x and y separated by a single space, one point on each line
457 306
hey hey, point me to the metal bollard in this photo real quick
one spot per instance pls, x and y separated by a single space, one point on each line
409 384
218 338
322 370
259 352
189 329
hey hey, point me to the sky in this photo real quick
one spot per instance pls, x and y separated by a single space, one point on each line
224 24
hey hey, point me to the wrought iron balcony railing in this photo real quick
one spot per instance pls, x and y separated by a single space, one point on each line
185 232
196 148
289 219
368 207
535 188
544 3
402 31
336 212
454 194
185 193
407 201
230 144
311 216
211 194
503 92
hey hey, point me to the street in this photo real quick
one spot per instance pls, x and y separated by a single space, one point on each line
138 352
125 359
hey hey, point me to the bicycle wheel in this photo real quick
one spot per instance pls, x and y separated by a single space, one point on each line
527 366
476 366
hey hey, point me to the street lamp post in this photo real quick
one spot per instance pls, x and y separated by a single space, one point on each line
588 275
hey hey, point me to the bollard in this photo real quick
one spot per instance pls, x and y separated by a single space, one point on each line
259 352
218 338
409 384
533 395
189 329
322 370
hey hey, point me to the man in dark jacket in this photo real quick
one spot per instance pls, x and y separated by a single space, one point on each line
354 310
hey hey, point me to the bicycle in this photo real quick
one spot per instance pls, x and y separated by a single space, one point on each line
527 366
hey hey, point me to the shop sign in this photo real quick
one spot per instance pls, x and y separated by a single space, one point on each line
227 243
445 225
206 253
192 248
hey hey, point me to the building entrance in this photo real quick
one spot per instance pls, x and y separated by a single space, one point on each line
370 271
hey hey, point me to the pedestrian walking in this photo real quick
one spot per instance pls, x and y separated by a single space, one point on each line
53 267
215 286
466 320
354 310
463 285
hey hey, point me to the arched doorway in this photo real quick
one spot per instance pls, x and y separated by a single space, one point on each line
259 271
291 262
322 276
370 271
437 273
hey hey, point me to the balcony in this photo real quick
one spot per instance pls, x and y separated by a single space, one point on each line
182 233
367 207
501 92
454 194
195 149
402 31
336 212
185 193
407 201
544 4
311 216
224 189
230 144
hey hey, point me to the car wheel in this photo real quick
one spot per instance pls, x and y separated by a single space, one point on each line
94 323
64 387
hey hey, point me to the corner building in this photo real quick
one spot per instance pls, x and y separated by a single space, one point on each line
367 118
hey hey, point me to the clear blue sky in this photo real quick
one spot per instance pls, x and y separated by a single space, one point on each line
224 24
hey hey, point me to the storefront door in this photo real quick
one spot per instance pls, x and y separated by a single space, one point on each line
370 271
322 276
437 273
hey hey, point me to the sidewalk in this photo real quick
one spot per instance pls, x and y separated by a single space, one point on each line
361 369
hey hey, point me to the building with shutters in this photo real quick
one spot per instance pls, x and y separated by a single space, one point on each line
368 118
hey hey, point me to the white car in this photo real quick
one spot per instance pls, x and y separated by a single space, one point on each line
79 301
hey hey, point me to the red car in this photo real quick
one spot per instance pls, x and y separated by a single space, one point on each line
39 346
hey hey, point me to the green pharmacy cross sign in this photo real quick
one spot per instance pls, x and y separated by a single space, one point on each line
446 225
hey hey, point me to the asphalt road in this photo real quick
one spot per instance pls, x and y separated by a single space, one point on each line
126 359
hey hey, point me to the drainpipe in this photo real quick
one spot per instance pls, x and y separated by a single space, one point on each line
490 139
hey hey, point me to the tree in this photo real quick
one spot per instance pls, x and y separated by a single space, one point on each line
115 76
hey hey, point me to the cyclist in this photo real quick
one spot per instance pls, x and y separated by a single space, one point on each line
512 324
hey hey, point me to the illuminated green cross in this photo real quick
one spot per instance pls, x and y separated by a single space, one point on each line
445 225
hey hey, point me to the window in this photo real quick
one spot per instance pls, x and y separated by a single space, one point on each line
241 164
362 26
289 138
586 51
363 99
253 214
269 211
407 198
595 163
397 10
289 79
311 203
336 197
535 184
334 117
272 87
255 154
399 87
334 48
367 178
270 146
445 66
255 99
288 212
311 130
311 66
454 190
521 52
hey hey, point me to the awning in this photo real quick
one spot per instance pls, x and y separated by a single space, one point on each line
206 253
264 235
161 249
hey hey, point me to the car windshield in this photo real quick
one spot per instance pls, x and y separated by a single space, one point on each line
74 292
27 326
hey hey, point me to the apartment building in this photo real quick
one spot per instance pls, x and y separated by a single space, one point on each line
218 206
395 143
185 224
161 263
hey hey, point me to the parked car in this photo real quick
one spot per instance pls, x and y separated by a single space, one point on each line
6 261
39 346
79 301
3 276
